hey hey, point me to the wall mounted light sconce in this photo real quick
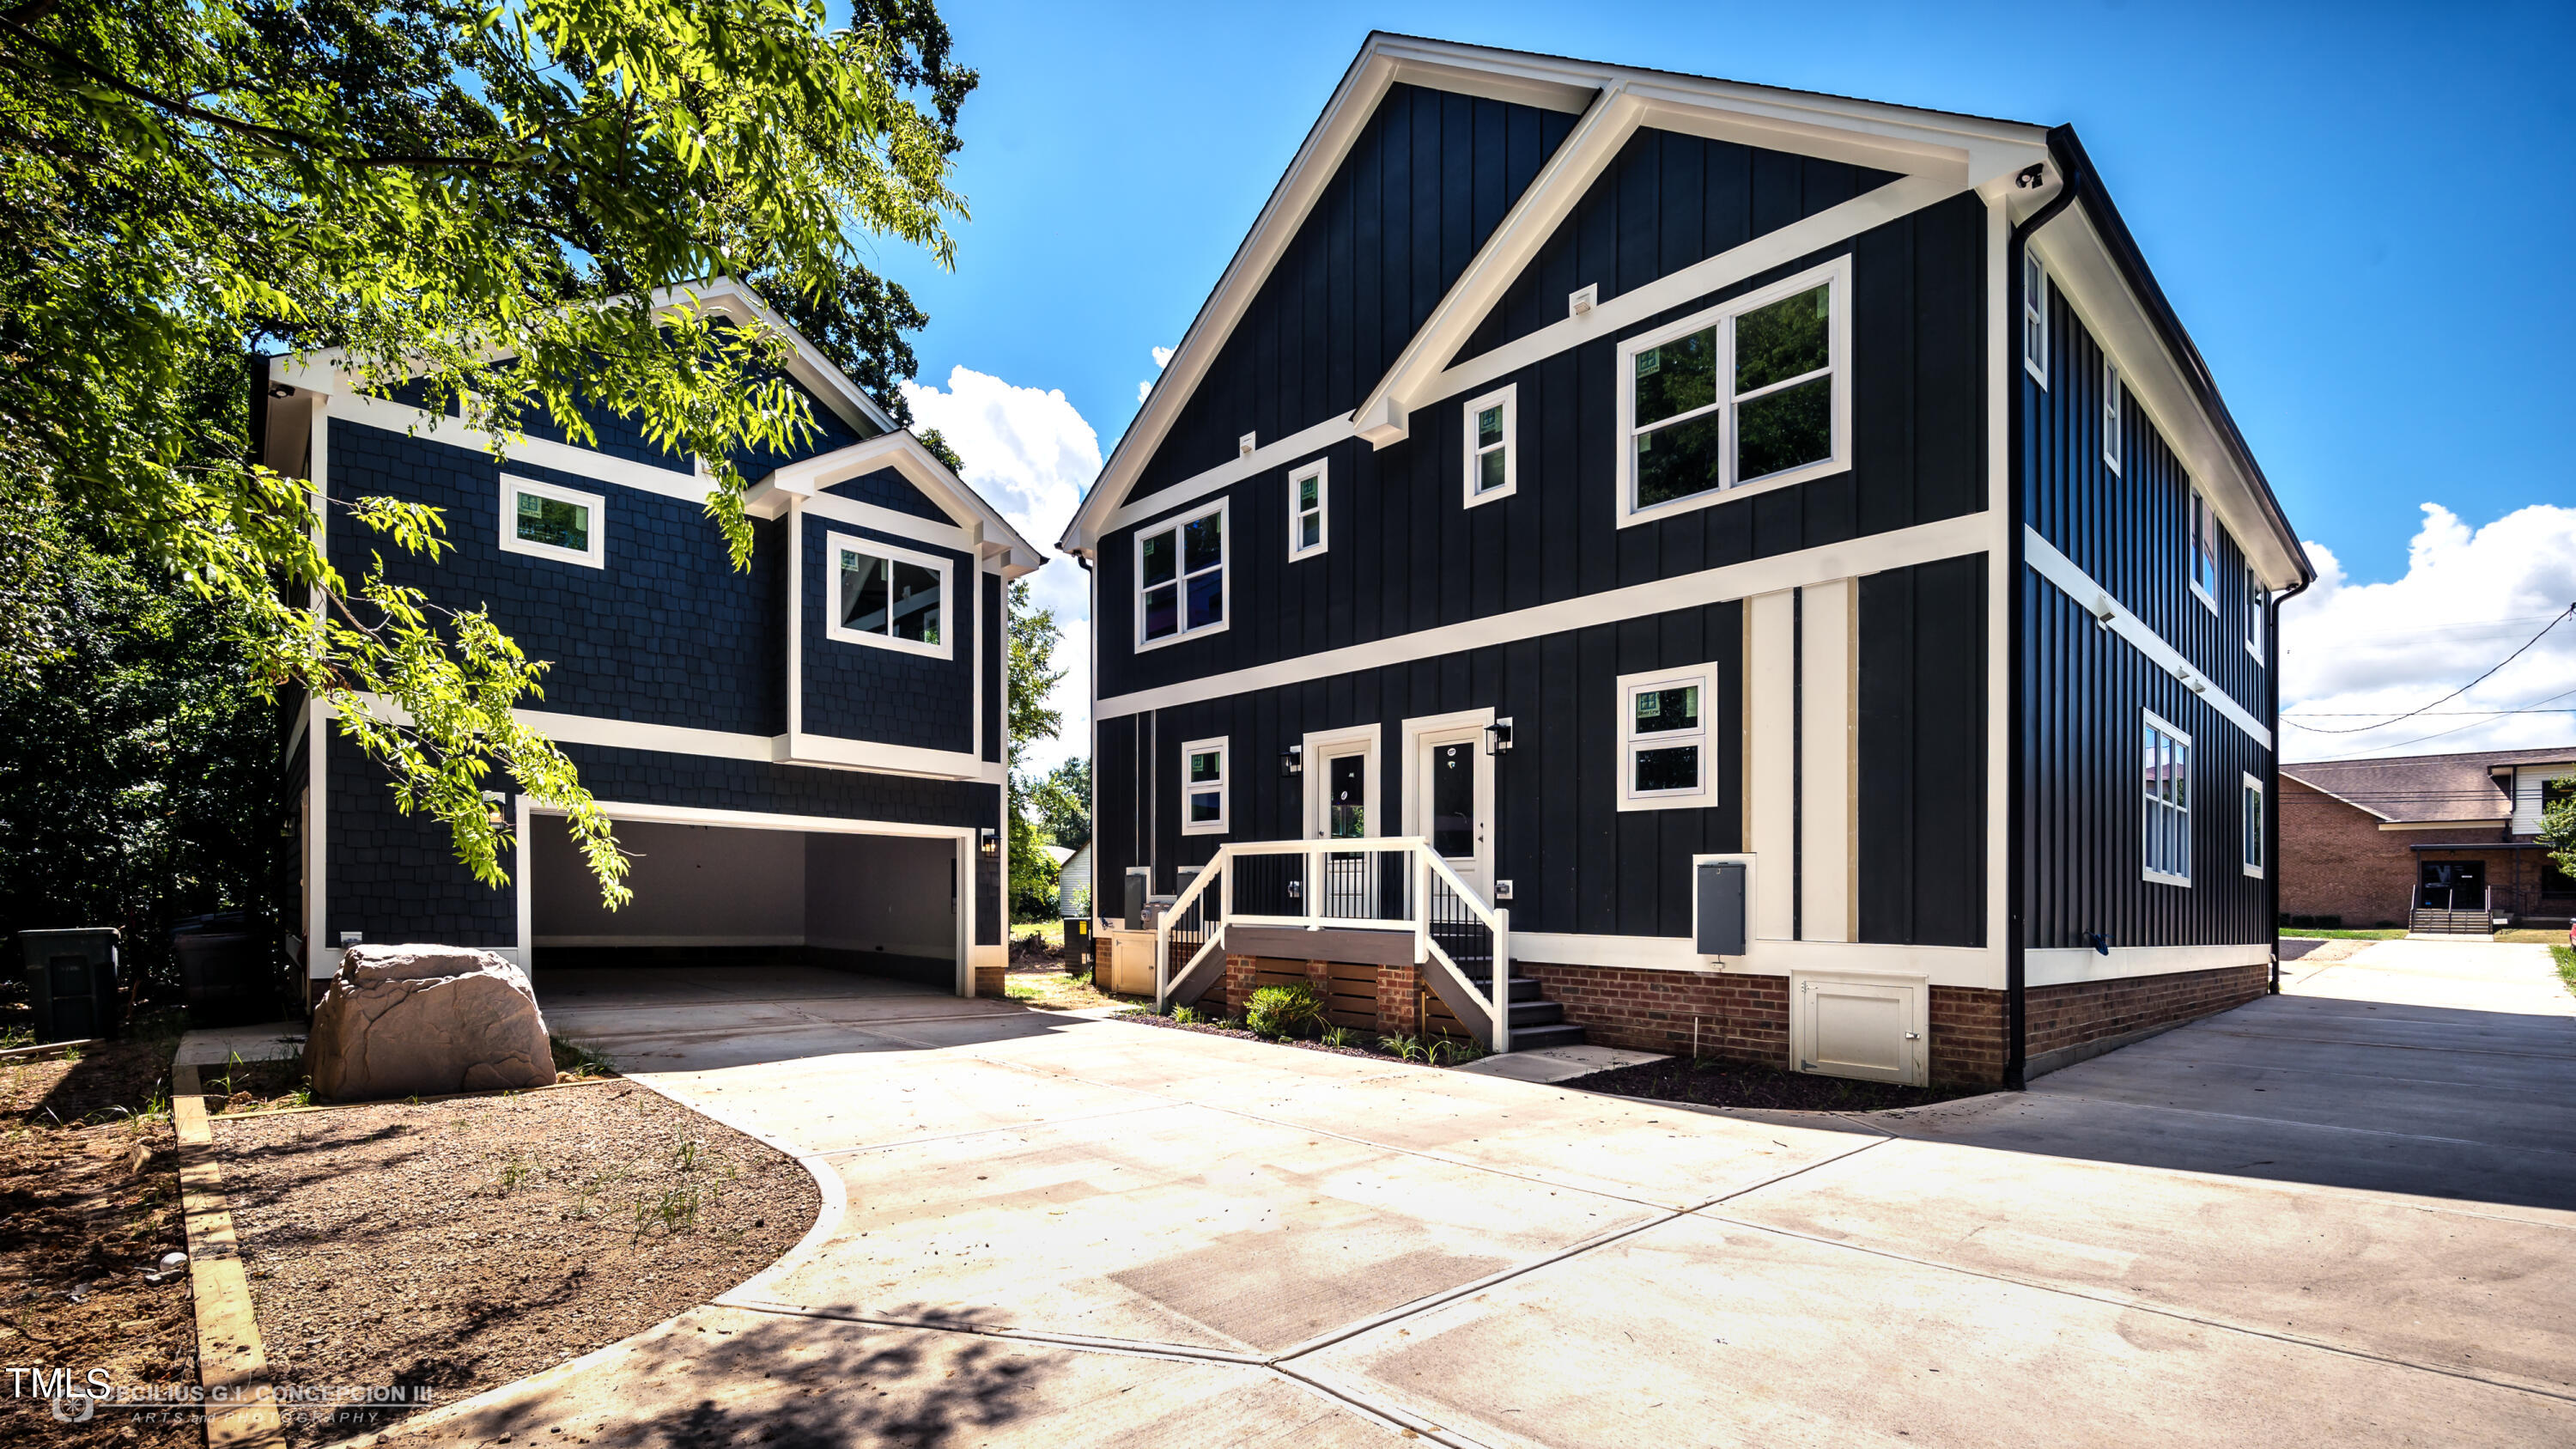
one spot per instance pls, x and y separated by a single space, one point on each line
1292 760
1498 737
495 814
988 843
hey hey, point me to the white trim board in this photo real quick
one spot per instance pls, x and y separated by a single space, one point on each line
2091 597
1873 553
1977 966
767 820
809 748
2059 966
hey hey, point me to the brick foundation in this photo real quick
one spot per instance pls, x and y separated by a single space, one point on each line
1968 1035
1968 1044
1731 1015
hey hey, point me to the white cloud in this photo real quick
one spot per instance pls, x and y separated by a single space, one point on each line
1162 359
1031 453
2469 597
1143 388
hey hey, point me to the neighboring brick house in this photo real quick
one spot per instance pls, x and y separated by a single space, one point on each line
2428 841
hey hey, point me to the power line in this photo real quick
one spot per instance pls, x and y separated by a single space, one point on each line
2436 713
2560 618
2455 729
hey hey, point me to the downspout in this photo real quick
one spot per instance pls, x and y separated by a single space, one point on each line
2272 788
2016 1057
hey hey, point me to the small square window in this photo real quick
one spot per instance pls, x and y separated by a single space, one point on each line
544 520
1203 793
1309 518
1667 750
889 597
1491 448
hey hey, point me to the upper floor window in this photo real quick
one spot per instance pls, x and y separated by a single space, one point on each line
2111 439
2034 317
1306 517
1491 450
1180 576
1755 391
2204 550
553 522
1203 787
2253 825
890 597
2254 601
1667 754
2167 852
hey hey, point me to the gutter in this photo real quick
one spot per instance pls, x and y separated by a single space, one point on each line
2272 791
2016 1035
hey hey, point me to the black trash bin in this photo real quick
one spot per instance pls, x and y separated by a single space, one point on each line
71 982
224 969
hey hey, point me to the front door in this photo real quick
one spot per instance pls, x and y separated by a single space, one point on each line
1341 805
2453 885
1451 800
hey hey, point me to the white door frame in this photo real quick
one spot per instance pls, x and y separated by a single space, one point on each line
1419 736
1318 777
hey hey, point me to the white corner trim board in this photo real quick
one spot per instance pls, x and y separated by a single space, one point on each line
2091 597
1873 553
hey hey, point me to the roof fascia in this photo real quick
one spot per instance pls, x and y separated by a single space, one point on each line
2119 298
918 466
2331 795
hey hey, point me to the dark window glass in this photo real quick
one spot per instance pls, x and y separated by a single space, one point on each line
1680 460
1674 768
554 523
1668 709
1489 426
1207 598
863 593
1204 769
1677 377
1203 542
1307 497
1489 470
1784 429
1453 800
1159 558
916 602
1345 779
1787 339
1206 807
1162 611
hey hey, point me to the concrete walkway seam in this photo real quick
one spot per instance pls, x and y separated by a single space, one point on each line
1386 1415
231 1359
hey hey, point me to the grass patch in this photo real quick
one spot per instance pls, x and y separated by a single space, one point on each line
2317 933
2532 936
1054 990
577 1063
2565 957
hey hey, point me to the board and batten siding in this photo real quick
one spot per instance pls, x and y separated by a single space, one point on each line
1405 554
1921 747
1667 202
1577 862
1425 184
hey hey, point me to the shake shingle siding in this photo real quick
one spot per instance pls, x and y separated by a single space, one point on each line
861 692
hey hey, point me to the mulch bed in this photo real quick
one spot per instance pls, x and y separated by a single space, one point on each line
1245 1033
79 1229
459 1245
1737 1084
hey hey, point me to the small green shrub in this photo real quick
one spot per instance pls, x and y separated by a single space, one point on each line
1404 1048
1340 1036
1451 1050
1285 1011
1187 1016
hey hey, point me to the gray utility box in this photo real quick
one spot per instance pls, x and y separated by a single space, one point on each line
1717 907
71 982
1140 890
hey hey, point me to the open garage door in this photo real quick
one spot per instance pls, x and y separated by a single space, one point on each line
712 895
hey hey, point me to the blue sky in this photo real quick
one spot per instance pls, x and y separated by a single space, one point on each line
2361 212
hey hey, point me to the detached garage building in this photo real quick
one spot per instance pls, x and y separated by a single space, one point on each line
805 758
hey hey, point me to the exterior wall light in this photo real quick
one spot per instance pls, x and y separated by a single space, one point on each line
988 843
1292 760
1498 737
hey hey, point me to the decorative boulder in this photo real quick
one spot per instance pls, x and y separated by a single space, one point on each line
402 1021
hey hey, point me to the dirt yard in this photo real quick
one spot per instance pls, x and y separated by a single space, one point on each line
460 1244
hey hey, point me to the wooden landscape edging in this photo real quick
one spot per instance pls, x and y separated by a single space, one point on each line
231 1360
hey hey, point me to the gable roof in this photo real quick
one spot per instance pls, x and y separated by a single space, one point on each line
2425 789
1936 154
915 464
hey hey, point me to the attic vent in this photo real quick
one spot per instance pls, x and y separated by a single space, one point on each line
1578 303
1243 446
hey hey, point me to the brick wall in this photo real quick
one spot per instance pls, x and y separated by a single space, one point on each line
1967 1035
1968 1022
1736 1016
2336 861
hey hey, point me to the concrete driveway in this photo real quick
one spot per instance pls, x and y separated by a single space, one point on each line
2337 1216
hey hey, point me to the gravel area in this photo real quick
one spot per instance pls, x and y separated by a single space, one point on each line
1734 1084
462 1244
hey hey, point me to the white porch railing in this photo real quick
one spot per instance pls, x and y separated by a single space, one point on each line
1382 883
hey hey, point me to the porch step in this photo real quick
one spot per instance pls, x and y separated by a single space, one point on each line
1532 1038
1526 1014
2440 922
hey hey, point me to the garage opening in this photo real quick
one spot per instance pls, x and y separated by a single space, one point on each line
719 895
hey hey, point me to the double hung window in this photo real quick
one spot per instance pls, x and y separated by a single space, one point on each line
2253 825
547 521
1203 787
889 597
1180 576
1757 391
1490 449
2034 317
2254 601
1667 741
2111 438
2167 778
2204 550
1307 499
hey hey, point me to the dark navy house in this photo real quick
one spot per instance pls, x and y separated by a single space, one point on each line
805 759
1697 566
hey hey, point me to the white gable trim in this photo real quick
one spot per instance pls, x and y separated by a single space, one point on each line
917 465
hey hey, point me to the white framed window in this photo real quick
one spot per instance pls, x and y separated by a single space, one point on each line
888 597
547 521
1308 501
2166 776
1668 739
1753 393
2034 317
1491 446
1203 782
2204 550
2111 438
2254 601
1181 577
2253 825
